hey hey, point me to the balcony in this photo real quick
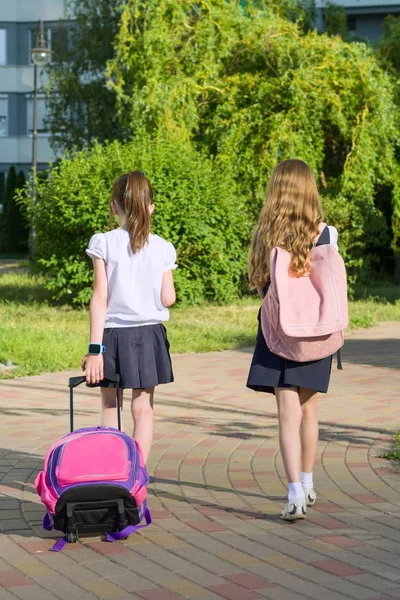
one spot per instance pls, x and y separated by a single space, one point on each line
18 150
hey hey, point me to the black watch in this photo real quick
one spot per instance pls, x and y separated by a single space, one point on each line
96 349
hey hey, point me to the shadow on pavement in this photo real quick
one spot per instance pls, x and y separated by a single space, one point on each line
377 353
23 512
244 430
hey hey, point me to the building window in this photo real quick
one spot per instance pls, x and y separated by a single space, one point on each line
56 40
3 46
3 115
41 115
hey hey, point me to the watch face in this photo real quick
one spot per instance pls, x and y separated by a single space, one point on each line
94 349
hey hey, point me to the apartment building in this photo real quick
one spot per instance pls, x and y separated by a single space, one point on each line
18 23
364 17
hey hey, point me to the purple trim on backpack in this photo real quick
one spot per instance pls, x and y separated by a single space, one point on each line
59 545
121 535
47 522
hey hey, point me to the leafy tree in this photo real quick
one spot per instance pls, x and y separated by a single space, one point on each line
388 52
335 19
389 44
302 12
13 223
252 87
216 93
81 107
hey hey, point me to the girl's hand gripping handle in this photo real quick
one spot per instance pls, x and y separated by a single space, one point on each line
93 367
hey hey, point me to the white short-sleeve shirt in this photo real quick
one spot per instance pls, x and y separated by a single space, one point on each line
333 236
134 280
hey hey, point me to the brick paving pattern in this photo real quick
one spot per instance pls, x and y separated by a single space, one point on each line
217 490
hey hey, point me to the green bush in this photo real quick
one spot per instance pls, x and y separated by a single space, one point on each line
197 209
248 88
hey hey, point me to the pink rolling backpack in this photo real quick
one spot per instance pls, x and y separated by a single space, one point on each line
94 480
304 318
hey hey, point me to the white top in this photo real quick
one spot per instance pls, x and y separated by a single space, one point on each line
134 280
333 236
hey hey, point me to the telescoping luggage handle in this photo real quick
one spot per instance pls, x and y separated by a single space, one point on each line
110 381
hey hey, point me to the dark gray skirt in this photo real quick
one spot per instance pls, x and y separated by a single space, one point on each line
139 354
268 370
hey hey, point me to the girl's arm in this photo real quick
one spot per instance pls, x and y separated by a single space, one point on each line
168 295
93 365
98 303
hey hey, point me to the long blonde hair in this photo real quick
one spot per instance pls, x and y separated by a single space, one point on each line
133 193
289 219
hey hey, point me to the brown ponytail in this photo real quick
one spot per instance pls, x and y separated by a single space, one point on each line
133 193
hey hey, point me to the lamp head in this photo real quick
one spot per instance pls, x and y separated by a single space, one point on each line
40 54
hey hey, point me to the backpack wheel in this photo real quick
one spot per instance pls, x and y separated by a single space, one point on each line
71 537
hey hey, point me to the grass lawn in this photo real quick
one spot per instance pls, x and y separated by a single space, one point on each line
39 337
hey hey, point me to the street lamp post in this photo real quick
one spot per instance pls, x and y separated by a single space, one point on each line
40 57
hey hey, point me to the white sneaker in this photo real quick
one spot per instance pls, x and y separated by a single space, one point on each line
294 510
311 496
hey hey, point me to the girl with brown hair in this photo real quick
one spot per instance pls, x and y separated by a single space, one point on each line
133 288
290 219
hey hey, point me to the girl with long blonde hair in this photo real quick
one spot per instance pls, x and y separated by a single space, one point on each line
290 219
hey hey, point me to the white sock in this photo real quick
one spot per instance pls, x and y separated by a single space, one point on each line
307 479
296 492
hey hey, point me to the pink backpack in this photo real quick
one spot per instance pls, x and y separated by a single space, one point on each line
304 318
94 480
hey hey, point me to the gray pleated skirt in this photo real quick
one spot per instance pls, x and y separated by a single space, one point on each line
140 355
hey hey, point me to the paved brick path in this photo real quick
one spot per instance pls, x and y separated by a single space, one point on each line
218 488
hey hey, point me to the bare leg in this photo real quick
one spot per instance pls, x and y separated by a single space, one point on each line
142 414
309 428
289 413
109 407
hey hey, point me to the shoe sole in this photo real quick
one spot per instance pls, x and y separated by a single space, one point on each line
297 517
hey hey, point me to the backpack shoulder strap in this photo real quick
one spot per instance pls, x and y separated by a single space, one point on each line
324 237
